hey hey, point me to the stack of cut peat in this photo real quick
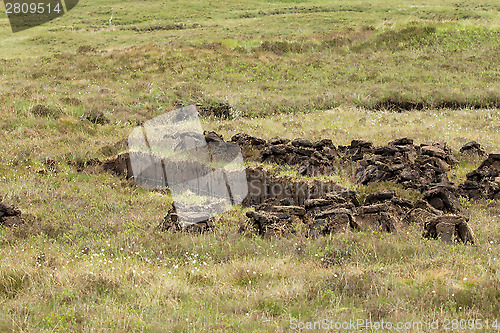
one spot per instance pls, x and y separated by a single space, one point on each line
281 201
421 167
484 182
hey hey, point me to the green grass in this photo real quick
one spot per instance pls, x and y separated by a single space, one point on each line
145 281
386 55
90 257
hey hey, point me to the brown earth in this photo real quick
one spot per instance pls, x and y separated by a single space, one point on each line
10 216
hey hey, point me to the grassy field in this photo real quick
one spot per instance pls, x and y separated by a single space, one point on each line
90 259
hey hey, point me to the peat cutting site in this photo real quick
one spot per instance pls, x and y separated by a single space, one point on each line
250 166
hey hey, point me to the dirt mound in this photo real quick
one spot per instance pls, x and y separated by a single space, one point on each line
10 216
120 165
95 117
484 182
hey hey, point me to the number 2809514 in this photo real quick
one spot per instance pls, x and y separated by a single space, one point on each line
32 8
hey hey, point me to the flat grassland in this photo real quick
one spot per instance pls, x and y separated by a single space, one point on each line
90 258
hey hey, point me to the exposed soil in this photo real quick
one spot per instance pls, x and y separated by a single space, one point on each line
10 216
